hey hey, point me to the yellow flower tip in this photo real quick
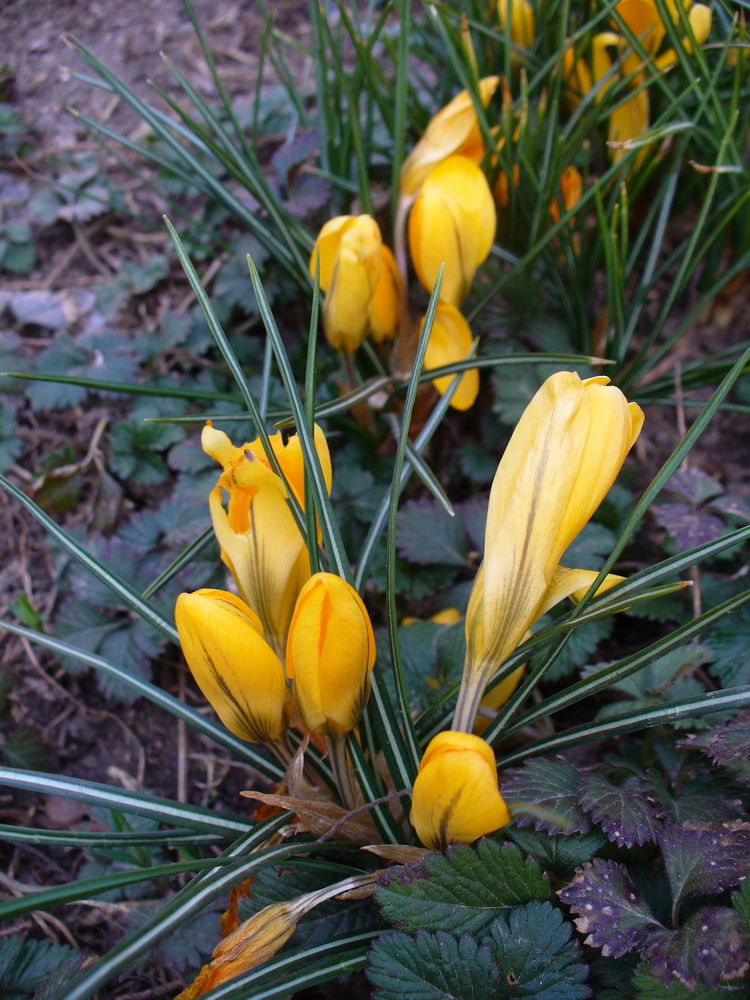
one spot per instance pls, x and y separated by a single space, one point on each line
452 222
700 18
448 616
519 14
330 653
456 797
451 341
233 665
453 130
218 445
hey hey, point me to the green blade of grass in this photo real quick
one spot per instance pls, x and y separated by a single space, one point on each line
183 559
332 540
235 368
190 900
618 671
192 163
112 581
71 892
410 736
731 699
241 750
301 969
126 388
109 839
139 803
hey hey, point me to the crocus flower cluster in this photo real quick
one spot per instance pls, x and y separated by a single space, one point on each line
451 222
289 640
630 119
560 463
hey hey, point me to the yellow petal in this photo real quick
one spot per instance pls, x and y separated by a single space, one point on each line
642 17
453 221
354 278
454 129
216 444
629 121
456 798
385 305
450 341
574 583
233 665
292 464
561 461
330 652
327 244
260 544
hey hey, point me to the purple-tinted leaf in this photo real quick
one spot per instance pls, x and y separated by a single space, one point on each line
308 193
689 527
428 535
725 743
553 784
303 147
624 812
705 857
694 486
705 798
472 514
611 911
709 948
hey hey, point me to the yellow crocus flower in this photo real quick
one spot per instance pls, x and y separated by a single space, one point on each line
631 119
260 542
452 222
330 653
359 276
451 340
520 15
456 798
453 130
559 465
233 665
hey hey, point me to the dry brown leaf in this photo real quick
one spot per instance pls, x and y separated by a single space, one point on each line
403 854
317 816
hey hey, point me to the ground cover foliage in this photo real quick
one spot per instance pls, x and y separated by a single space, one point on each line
623 753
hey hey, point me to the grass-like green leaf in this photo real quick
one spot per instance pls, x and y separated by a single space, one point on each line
127 594
139 803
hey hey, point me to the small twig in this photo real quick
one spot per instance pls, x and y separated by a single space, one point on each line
392 796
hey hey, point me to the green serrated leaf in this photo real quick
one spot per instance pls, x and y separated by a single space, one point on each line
427 535
25 965
560 854
462 891
431 967
728 642
535 955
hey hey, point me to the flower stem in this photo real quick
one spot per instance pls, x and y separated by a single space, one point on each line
467 706
342 772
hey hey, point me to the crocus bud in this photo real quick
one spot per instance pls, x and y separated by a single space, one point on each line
451 340
329 655
456 798
453 130
452 222
360 279
520 16
233 665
